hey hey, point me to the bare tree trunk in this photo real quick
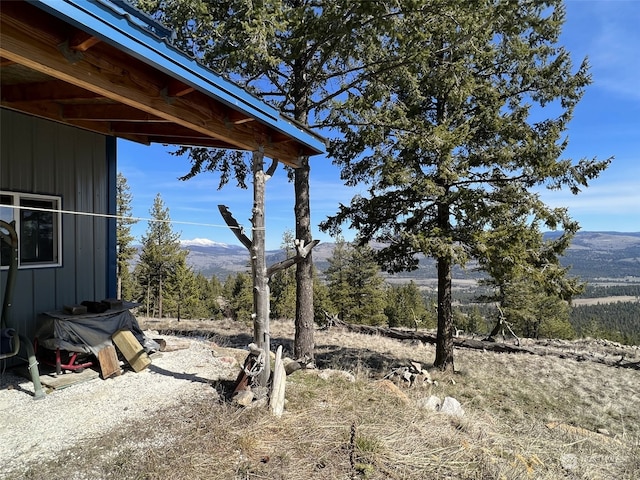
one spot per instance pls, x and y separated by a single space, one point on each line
259 267
542 349
304 341
256 247
160 297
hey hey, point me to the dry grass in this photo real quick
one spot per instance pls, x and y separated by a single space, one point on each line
339 430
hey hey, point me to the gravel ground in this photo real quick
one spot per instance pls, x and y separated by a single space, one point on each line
34 431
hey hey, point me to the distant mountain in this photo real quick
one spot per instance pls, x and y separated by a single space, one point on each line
604 255
221 259
592 256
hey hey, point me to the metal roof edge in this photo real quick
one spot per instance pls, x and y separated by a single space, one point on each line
115 26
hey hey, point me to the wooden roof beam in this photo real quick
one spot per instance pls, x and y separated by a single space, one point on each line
238 118
54 90
206 142
107 112
175 88
153 129
5 63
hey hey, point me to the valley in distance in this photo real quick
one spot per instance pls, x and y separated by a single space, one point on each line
598 258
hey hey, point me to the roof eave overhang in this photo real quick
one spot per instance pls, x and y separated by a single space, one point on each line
114 27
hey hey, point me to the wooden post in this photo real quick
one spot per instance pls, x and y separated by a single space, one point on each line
130 347
256 247
259 267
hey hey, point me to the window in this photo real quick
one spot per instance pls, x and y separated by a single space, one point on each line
38 225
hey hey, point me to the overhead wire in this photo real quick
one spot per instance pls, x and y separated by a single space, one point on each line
119 217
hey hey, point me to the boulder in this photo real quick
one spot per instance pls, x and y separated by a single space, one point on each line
452 407
432 403
291 366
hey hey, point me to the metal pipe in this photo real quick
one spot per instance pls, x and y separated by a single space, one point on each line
33 368
12 240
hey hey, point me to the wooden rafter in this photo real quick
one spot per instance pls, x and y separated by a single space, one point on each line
176 88
82 41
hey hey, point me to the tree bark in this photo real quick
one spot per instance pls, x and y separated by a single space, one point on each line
304 325
444 345
160 297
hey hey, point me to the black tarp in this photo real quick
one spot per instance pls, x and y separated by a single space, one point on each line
86 333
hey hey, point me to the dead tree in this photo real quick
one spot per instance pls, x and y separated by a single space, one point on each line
499 328
256 247
609 360
259 272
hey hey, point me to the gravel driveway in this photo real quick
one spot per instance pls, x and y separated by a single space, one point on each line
34 431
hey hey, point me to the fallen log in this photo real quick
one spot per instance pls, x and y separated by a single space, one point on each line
430 338
490 346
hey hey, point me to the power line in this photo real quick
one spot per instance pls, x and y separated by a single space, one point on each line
116 217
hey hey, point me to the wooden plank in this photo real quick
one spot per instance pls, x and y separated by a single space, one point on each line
109 363
276 402
58 382
130 347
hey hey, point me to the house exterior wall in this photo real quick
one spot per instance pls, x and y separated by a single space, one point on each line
43 157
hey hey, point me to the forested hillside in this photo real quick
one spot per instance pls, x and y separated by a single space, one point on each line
609 307
617 321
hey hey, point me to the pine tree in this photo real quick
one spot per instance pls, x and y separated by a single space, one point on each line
533 290
238 294
182 295
209 295
124 240
159 257
367 287
300 55
472 121
355 285
322 304
406 307
283 284
337 280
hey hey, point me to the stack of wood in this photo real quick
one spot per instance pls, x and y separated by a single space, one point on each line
130 349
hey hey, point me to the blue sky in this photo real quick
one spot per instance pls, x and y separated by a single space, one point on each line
606 123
